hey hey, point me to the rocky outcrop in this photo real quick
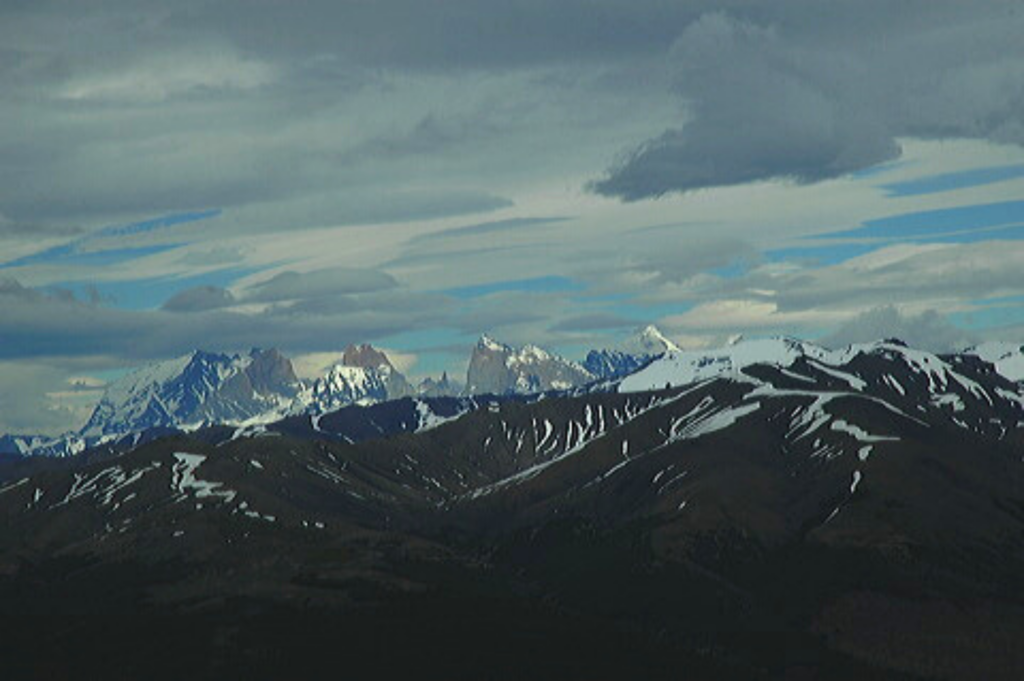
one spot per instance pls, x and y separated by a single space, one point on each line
499 369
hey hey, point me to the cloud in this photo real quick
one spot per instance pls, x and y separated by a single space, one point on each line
485 229
199 299
927 274
160 77
593 322
50 407
784 97
339 281
11 228
927 330
749 315
662 264
38 325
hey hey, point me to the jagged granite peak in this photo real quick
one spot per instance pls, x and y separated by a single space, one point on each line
366 356
500 369
194 389
370 358
270 369
364 376
488 343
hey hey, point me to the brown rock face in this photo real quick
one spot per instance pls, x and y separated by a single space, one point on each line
366 356
270 370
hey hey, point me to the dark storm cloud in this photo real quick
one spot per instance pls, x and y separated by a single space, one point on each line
776 94
453 34
199 299
114 110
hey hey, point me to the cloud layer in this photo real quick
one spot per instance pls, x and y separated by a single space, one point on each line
785 97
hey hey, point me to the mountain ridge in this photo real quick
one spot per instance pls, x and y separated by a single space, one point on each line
261 387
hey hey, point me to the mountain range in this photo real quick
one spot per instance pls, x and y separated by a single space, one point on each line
767 510
204 388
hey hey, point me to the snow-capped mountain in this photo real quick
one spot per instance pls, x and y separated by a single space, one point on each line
341 386
1008 358
261 388
682 367
499 369
961 389
649 341
364 376
195 389
368 357
636 352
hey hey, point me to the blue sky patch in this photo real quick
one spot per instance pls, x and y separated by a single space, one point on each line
936 222
149 294
945 182
823 256
74 253
834 254
991 314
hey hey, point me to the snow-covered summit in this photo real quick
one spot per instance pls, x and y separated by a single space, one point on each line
343 386
197 388
632 354
648 341
846 365
681 367
1007 358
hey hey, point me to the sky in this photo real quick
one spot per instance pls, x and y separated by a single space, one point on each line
304 175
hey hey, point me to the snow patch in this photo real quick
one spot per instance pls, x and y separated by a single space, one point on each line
184 480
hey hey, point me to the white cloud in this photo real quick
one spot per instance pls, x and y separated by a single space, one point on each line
160 77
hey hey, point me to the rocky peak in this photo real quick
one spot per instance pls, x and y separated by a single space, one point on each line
497 368
269 370
365 356
369 358
649 341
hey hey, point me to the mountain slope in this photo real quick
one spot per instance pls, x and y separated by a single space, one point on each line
856 513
